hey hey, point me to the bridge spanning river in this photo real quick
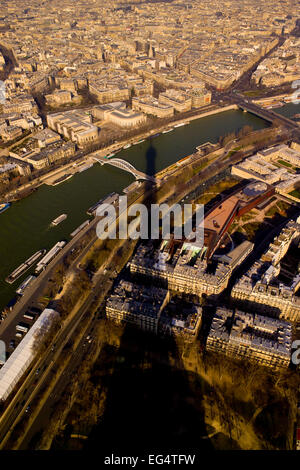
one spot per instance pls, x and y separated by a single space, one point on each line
268 115
126 166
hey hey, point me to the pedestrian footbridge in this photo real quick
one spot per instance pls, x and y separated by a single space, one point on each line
126 166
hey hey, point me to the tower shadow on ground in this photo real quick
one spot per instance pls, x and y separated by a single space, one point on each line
152 402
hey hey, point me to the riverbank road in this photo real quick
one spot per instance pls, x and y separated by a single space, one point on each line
70 169
40 374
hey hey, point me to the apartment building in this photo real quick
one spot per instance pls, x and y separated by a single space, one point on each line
152 106
181 267
137 305
263 340
20 104
181 322
46 137
10 133
180 101
200 97
50 155
107 91
259 286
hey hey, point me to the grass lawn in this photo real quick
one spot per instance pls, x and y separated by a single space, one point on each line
272 211
253 93
279 207
252 229
295 193
247 217
215 189
233 151
200 167
283 206
285 163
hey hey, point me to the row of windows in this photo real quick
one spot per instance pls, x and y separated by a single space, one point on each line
261 357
